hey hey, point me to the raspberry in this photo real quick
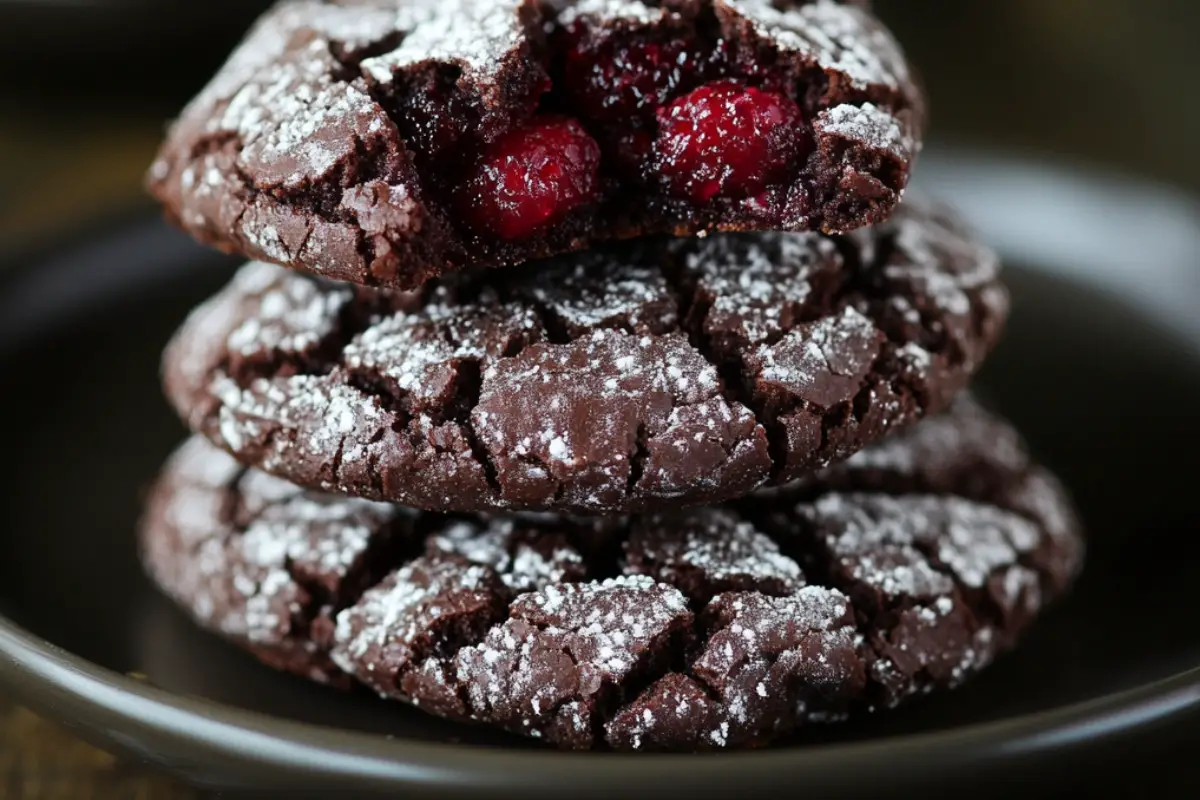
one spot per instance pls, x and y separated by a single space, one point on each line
727 140
531 177
613 81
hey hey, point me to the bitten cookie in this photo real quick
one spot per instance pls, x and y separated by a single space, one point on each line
390 141
899 572
652 375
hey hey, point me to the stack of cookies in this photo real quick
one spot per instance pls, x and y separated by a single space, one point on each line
590 379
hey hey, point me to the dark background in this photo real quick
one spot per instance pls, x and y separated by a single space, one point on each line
85 89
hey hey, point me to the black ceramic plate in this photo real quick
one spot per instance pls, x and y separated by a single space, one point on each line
1101 368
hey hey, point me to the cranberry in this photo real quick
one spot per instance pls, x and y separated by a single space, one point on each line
727 140
531 177
613 80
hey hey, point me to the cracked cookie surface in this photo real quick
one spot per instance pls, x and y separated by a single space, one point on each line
380 141
650 375
899 572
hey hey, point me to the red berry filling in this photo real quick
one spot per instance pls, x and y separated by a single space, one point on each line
727 140
531 178
691 114
613 81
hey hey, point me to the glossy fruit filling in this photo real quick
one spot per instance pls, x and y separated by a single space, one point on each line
682 118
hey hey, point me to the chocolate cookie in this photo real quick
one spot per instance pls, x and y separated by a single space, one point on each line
900 572
385 142
648 375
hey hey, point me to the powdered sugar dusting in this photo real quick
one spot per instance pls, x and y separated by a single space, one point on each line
209 325
253 584
417 351
894 543
757 285
966 430
598 290
394 620
476 35
541 671
569 11
524 563
198 461
578 604
296 122
869 125
605 626
318 415
763 657
825 362
353 28
836 35
1041 497
715 545
941 262
324 536
592 397
755 625
291 316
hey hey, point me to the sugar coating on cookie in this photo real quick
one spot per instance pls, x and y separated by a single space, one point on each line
896 573
655 374
390 141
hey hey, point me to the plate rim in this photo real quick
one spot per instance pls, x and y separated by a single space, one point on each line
105 705
47 675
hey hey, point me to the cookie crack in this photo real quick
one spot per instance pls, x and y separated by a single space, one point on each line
557 332
306 199
854 289
235 513
981 606
320 198
714 692
321 358
335 465
374 476
350 60
817 562
479 450
873 621
693 315
638 459
443 655
662 656
660 660
389 547
903 382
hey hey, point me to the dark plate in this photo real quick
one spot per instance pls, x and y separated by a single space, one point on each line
1102 373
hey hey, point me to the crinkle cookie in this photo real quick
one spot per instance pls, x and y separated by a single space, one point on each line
647 376
899 572
386 142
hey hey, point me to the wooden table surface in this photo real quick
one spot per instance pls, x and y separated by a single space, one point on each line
39 761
